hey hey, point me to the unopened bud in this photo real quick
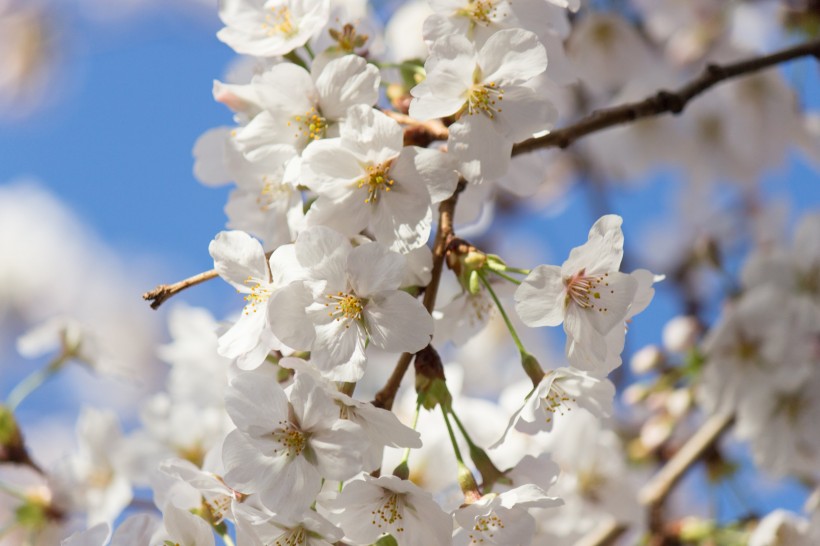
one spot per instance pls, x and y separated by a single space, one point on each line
678 402
646 360
681 334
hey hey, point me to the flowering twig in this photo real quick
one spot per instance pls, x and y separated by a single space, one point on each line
158 295
663 102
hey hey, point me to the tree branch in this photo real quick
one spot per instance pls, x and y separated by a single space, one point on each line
158 295
658 488
604 534
384 398
664 101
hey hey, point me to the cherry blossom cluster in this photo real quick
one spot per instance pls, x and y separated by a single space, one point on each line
359 174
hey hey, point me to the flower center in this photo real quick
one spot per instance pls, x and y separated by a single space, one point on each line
296 537
376 180
389 513
290 439
260 292
585 291
480 11
345 307
279 21
485 526
556 401
271 193
482 99
311 124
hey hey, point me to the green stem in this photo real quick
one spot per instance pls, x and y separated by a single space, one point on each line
463 430
296 59
518 270
406 456
309 51
452 437
226 538
507 277
33 381
507 321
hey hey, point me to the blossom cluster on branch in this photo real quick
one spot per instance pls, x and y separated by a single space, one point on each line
361 167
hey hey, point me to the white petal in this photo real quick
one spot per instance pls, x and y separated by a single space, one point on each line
512 56
539 300
372 268
398 322
237 258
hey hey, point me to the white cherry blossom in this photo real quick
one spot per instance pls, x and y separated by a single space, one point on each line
366 179
485 89
370 508
267 28
587 294
501 519
285 444
350 296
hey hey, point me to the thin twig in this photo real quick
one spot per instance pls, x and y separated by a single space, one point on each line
663 101
158 295
434 128
384 398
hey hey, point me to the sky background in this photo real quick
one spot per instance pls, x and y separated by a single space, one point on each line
132 95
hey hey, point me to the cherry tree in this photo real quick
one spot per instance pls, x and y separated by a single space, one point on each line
367 155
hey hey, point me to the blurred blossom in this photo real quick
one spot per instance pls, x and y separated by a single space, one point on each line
59 269
27 57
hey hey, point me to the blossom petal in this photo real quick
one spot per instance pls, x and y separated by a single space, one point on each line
539 300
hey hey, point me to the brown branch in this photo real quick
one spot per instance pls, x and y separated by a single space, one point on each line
654 493
385 397
604 534
434 129
663 101
158 295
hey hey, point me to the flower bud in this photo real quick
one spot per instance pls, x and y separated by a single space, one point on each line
680 334
646 360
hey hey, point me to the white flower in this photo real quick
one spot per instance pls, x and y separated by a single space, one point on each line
501 519
285 445
559 392
308 108
370 508
382 427
367 179
182 528
256 528
95 476
587 293
240 260
351 295
486 91
266 28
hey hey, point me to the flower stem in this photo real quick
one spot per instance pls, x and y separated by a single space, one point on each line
453 441
34 381
226 538
463 430
518 270
406 456
309 51
507 277
507 321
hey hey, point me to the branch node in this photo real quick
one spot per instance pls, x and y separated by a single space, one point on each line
670 101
